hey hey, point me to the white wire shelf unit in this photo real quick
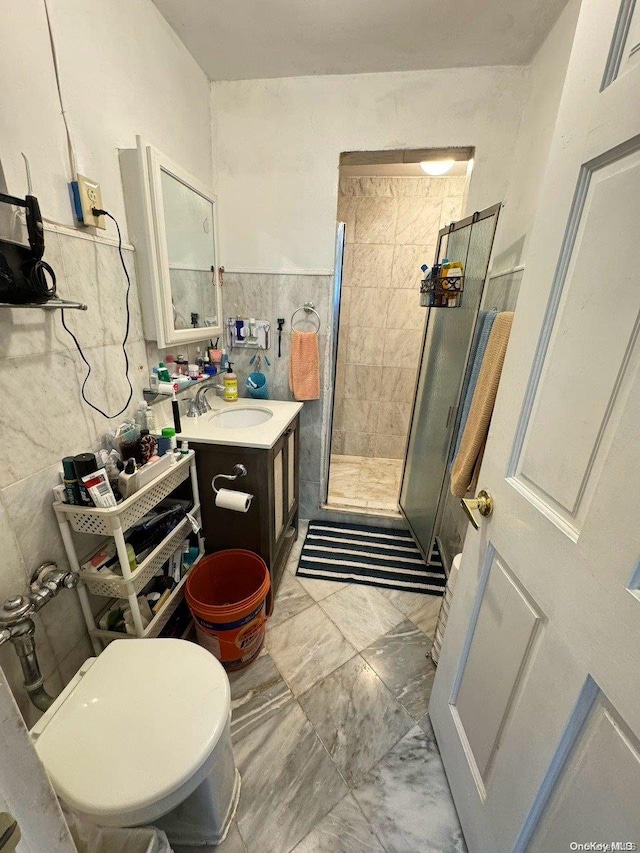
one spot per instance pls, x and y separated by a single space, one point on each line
115 522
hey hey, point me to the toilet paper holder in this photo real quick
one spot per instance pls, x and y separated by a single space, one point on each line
238 471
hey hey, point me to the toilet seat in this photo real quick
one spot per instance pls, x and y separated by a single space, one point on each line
131 736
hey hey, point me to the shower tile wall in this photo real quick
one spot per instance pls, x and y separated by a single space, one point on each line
392 229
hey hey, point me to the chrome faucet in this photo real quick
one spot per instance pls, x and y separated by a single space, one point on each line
17 626
199 404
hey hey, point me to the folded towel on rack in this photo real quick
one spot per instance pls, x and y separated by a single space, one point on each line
304 366
469 455
476 356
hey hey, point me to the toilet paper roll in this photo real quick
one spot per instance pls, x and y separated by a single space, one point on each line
237 501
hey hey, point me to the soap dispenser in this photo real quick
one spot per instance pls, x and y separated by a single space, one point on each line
230 381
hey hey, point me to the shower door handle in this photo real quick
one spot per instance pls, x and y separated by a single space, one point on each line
483 503
451 415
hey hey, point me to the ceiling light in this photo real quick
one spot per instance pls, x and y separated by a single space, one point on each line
436 167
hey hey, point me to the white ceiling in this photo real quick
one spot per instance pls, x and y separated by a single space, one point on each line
252 39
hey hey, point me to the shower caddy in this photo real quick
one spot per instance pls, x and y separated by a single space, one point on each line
114 522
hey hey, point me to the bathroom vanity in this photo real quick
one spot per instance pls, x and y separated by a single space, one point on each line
262 435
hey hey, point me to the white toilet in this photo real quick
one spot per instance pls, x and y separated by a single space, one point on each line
141 736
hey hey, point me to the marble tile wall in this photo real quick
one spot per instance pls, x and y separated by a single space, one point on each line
267 297
392 229
43 418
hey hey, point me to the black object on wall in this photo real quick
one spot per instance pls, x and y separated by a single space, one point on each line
24 276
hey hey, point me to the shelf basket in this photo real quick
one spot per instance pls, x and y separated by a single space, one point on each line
117 587
103 522
159 620
442 291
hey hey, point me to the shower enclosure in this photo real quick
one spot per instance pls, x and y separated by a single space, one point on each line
443 363
392 215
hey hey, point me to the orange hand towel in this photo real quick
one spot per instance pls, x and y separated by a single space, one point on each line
304 366
466 463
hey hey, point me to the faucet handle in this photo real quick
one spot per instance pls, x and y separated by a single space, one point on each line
71 580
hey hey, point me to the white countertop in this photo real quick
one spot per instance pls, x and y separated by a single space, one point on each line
205 430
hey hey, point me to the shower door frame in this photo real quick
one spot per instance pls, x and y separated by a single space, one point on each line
331 365
452 420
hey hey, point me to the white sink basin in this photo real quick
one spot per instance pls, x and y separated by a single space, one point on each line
240 418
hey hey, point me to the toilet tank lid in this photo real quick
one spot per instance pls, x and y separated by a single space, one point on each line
137 725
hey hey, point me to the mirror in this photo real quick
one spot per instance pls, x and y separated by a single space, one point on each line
172 224
189 226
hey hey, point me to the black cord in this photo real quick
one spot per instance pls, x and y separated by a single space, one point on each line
97 212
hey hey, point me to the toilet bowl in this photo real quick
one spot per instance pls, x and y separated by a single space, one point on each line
142 735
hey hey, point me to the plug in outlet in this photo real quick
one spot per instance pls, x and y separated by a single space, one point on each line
89 195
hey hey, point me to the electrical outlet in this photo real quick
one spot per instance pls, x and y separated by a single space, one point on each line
90 196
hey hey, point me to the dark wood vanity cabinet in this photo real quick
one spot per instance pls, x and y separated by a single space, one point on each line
270 527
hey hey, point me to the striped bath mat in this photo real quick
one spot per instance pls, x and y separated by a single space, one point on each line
376 556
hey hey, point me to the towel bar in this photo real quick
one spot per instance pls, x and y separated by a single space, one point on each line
308 308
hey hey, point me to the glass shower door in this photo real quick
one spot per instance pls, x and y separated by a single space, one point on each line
445 350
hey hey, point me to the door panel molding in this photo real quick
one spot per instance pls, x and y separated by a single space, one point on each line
568 510
574 727
597 751
502 607
619 40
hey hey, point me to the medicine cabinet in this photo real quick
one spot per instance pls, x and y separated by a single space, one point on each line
172 220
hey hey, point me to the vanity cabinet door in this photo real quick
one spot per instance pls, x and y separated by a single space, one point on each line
279 493
285 483
292 468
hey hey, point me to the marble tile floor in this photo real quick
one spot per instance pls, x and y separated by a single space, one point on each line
330 729
368 484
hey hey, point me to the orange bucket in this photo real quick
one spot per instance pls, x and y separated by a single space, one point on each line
228 594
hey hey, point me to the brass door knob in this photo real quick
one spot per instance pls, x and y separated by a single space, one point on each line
483 503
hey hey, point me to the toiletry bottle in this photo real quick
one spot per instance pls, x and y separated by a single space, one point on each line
182 365
140 416
128 479
170 364
70 481
163 373
230 381
131 554
148 446
170 433
215 355
84 463
151 419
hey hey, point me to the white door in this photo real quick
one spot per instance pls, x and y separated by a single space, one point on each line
25 792
536 701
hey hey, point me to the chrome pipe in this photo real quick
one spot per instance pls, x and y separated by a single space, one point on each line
25 645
